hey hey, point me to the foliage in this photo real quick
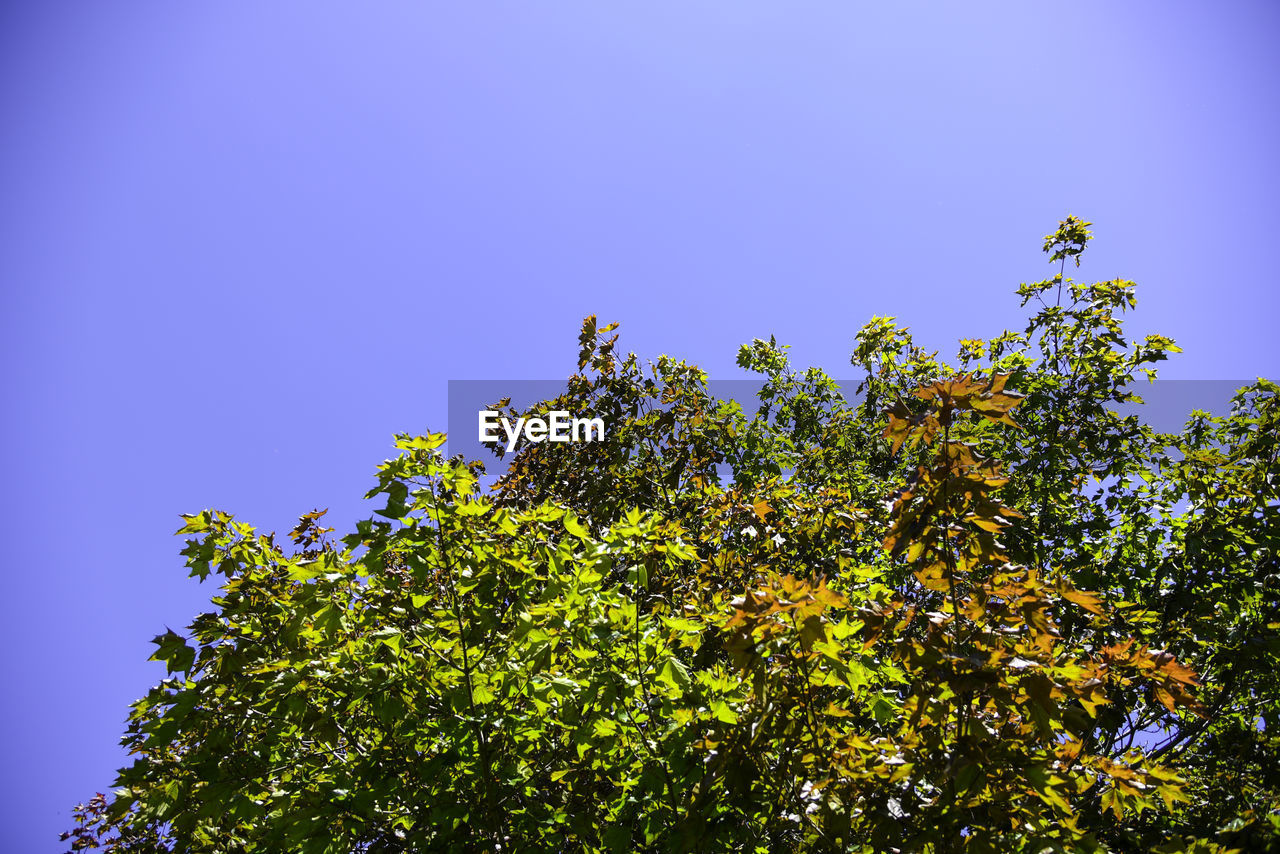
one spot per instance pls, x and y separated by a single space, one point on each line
976 610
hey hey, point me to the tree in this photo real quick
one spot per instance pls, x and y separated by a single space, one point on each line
975 610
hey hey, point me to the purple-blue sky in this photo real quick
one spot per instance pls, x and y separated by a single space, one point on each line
242 244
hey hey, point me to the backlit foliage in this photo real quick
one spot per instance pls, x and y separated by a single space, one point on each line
973 610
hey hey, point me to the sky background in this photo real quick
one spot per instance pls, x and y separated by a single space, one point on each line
242 244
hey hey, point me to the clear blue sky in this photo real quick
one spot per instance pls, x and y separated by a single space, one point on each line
242 244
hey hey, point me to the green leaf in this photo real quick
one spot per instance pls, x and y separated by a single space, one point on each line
722 712
573 526
675 674
173 651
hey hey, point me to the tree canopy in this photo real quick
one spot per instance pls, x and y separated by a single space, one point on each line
971 608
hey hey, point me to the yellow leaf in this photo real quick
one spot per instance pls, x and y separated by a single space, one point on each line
1088 601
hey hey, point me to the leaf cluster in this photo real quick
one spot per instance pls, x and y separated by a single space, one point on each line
970 608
